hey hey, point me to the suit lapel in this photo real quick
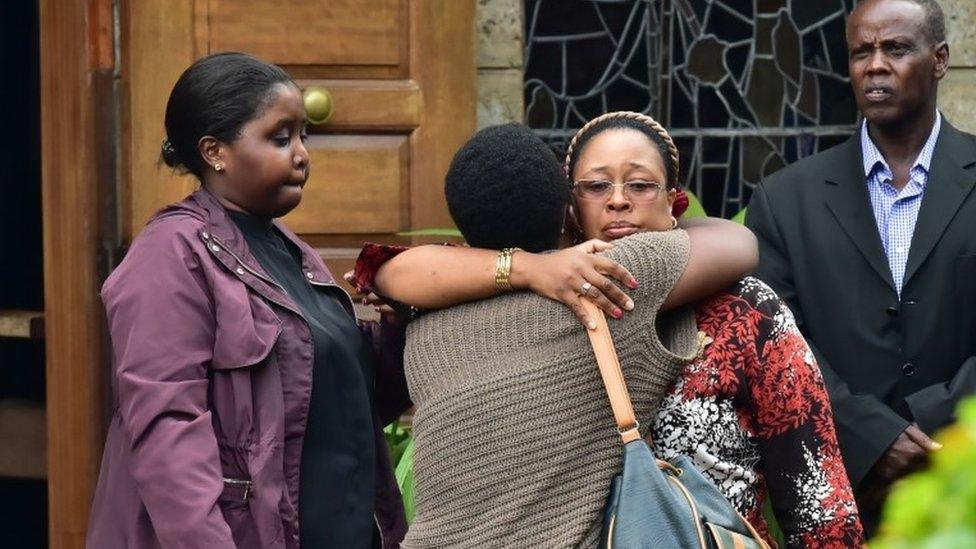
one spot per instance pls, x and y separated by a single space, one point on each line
848 200
948 185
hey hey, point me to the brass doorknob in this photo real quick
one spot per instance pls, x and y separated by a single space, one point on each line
318 104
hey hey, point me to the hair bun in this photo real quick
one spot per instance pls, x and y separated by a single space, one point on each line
169 155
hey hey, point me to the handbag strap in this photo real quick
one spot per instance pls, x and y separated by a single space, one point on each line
613 377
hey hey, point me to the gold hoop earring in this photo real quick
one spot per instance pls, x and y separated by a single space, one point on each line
674 222
218 167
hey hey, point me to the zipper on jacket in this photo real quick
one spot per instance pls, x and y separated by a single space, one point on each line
240 483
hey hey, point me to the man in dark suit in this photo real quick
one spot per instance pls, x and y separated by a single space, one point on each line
873 244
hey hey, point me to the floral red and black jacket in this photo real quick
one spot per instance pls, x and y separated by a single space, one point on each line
753 414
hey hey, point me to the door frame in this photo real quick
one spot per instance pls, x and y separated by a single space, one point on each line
77 186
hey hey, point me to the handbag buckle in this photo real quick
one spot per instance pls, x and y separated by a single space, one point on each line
622 430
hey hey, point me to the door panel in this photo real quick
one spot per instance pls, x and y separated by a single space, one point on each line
358 185
311 32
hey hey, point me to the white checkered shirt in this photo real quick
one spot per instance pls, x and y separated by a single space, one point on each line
896 212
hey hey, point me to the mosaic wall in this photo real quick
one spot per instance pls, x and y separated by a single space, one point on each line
744 86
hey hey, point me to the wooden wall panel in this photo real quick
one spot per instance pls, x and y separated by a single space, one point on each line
309 32
73 62
148 28
356 185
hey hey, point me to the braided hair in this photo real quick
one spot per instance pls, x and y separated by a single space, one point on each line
629 120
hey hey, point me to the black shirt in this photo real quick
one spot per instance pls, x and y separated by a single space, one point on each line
336 486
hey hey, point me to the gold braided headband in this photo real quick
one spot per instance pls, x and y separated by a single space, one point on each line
643 118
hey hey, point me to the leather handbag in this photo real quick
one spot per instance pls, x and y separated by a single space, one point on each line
654 503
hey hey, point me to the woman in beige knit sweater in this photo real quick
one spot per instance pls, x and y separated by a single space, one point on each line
751 409
515 443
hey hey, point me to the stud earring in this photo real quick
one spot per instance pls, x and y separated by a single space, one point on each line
218 167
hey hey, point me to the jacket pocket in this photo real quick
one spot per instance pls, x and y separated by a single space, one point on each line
234 504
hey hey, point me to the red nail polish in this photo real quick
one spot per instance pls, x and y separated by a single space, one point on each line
633 283
617 313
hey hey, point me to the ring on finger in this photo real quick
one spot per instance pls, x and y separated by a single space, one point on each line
585 288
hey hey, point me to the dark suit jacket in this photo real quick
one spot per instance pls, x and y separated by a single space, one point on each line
886 361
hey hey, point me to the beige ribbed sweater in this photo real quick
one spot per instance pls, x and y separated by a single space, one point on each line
515 439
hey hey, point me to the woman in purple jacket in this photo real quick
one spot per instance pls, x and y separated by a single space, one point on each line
220 319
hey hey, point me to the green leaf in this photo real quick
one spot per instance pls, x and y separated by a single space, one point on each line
772 524
447 232
936 508
396 439
404 479
695 208
740 217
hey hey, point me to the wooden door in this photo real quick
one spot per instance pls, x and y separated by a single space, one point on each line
401 75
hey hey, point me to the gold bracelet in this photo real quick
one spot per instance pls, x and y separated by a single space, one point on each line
503 268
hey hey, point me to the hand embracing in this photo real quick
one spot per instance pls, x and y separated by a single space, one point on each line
568 275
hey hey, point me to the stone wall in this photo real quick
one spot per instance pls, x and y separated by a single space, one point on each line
957 93
498 35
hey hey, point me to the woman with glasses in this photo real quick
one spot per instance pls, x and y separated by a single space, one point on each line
751 409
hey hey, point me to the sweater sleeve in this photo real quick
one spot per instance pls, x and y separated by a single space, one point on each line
656 259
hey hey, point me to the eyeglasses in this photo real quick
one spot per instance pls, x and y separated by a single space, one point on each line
601 189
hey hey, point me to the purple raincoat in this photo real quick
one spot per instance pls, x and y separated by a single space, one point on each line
210 354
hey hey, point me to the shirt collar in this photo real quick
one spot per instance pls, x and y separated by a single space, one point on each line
873 157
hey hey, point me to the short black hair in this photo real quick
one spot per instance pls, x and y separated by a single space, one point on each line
217 95
934 27
619 123
506 189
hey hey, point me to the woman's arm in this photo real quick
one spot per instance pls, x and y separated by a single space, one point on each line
722 252
434 277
